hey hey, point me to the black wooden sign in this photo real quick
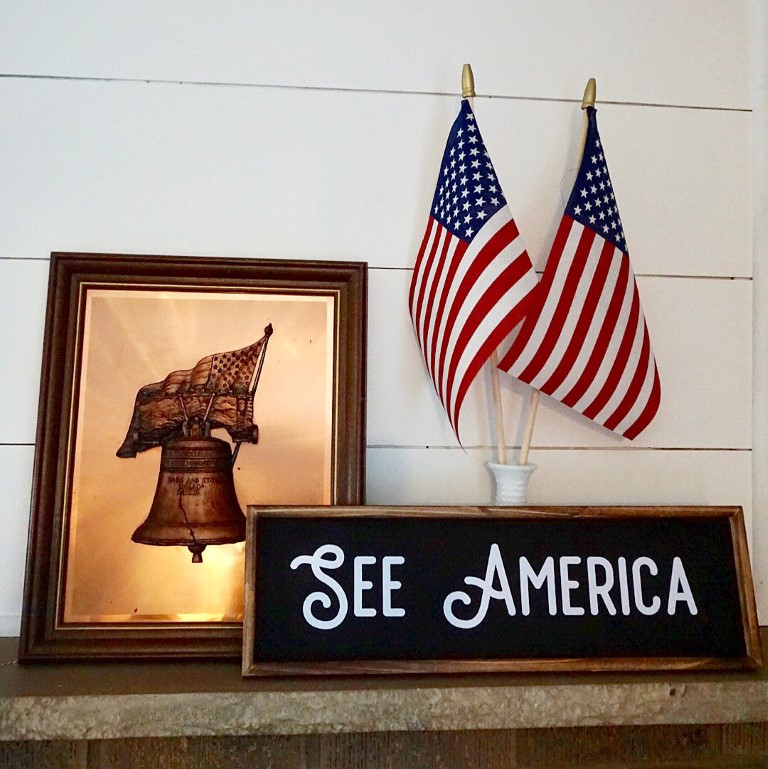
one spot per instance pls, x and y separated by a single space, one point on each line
393 590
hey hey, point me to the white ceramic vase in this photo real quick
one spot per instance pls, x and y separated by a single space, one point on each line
511 483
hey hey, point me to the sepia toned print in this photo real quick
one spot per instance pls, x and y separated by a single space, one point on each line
134 337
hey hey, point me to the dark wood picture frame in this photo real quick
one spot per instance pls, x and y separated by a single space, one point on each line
745 624
43 634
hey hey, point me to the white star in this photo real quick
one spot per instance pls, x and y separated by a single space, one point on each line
480 202
479 188
470 232
583 193
577 210
589 176
495 202
591 219
481 215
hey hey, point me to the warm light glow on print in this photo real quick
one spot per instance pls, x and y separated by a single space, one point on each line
135 337
224 566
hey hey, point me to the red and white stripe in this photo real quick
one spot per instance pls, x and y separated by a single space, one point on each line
465 299
587 345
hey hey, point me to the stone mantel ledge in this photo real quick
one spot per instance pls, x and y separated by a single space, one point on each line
119 700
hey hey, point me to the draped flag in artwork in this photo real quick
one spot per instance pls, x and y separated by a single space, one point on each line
585 342
218 389
473 280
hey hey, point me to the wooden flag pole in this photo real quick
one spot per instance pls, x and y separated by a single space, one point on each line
468 93
525 447
588 100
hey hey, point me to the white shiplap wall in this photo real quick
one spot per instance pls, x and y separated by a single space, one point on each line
314 131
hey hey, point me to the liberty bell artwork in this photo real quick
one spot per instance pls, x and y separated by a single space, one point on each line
195 503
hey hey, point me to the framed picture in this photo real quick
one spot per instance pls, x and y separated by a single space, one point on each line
175 392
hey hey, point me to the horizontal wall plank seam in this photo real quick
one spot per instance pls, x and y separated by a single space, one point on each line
675 275
372 268
482 447
26 258
339 89
478 447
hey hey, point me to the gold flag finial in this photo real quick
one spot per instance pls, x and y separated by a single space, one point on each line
590 94
467 82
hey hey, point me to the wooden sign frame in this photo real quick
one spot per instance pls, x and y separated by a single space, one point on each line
745 625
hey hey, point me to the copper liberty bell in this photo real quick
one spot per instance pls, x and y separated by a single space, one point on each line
195 503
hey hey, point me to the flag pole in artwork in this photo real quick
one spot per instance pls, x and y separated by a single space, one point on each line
588 100
586 342
473 280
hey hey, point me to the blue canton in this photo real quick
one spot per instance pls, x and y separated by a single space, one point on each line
468 191
592 202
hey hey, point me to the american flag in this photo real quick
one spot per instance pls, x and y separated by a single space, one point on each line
217 389
586 342
473 279
224 373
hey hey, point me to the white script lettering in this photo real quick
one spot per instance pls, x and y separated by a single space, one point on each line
318 561
494 567
332 557
635 593
679 589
